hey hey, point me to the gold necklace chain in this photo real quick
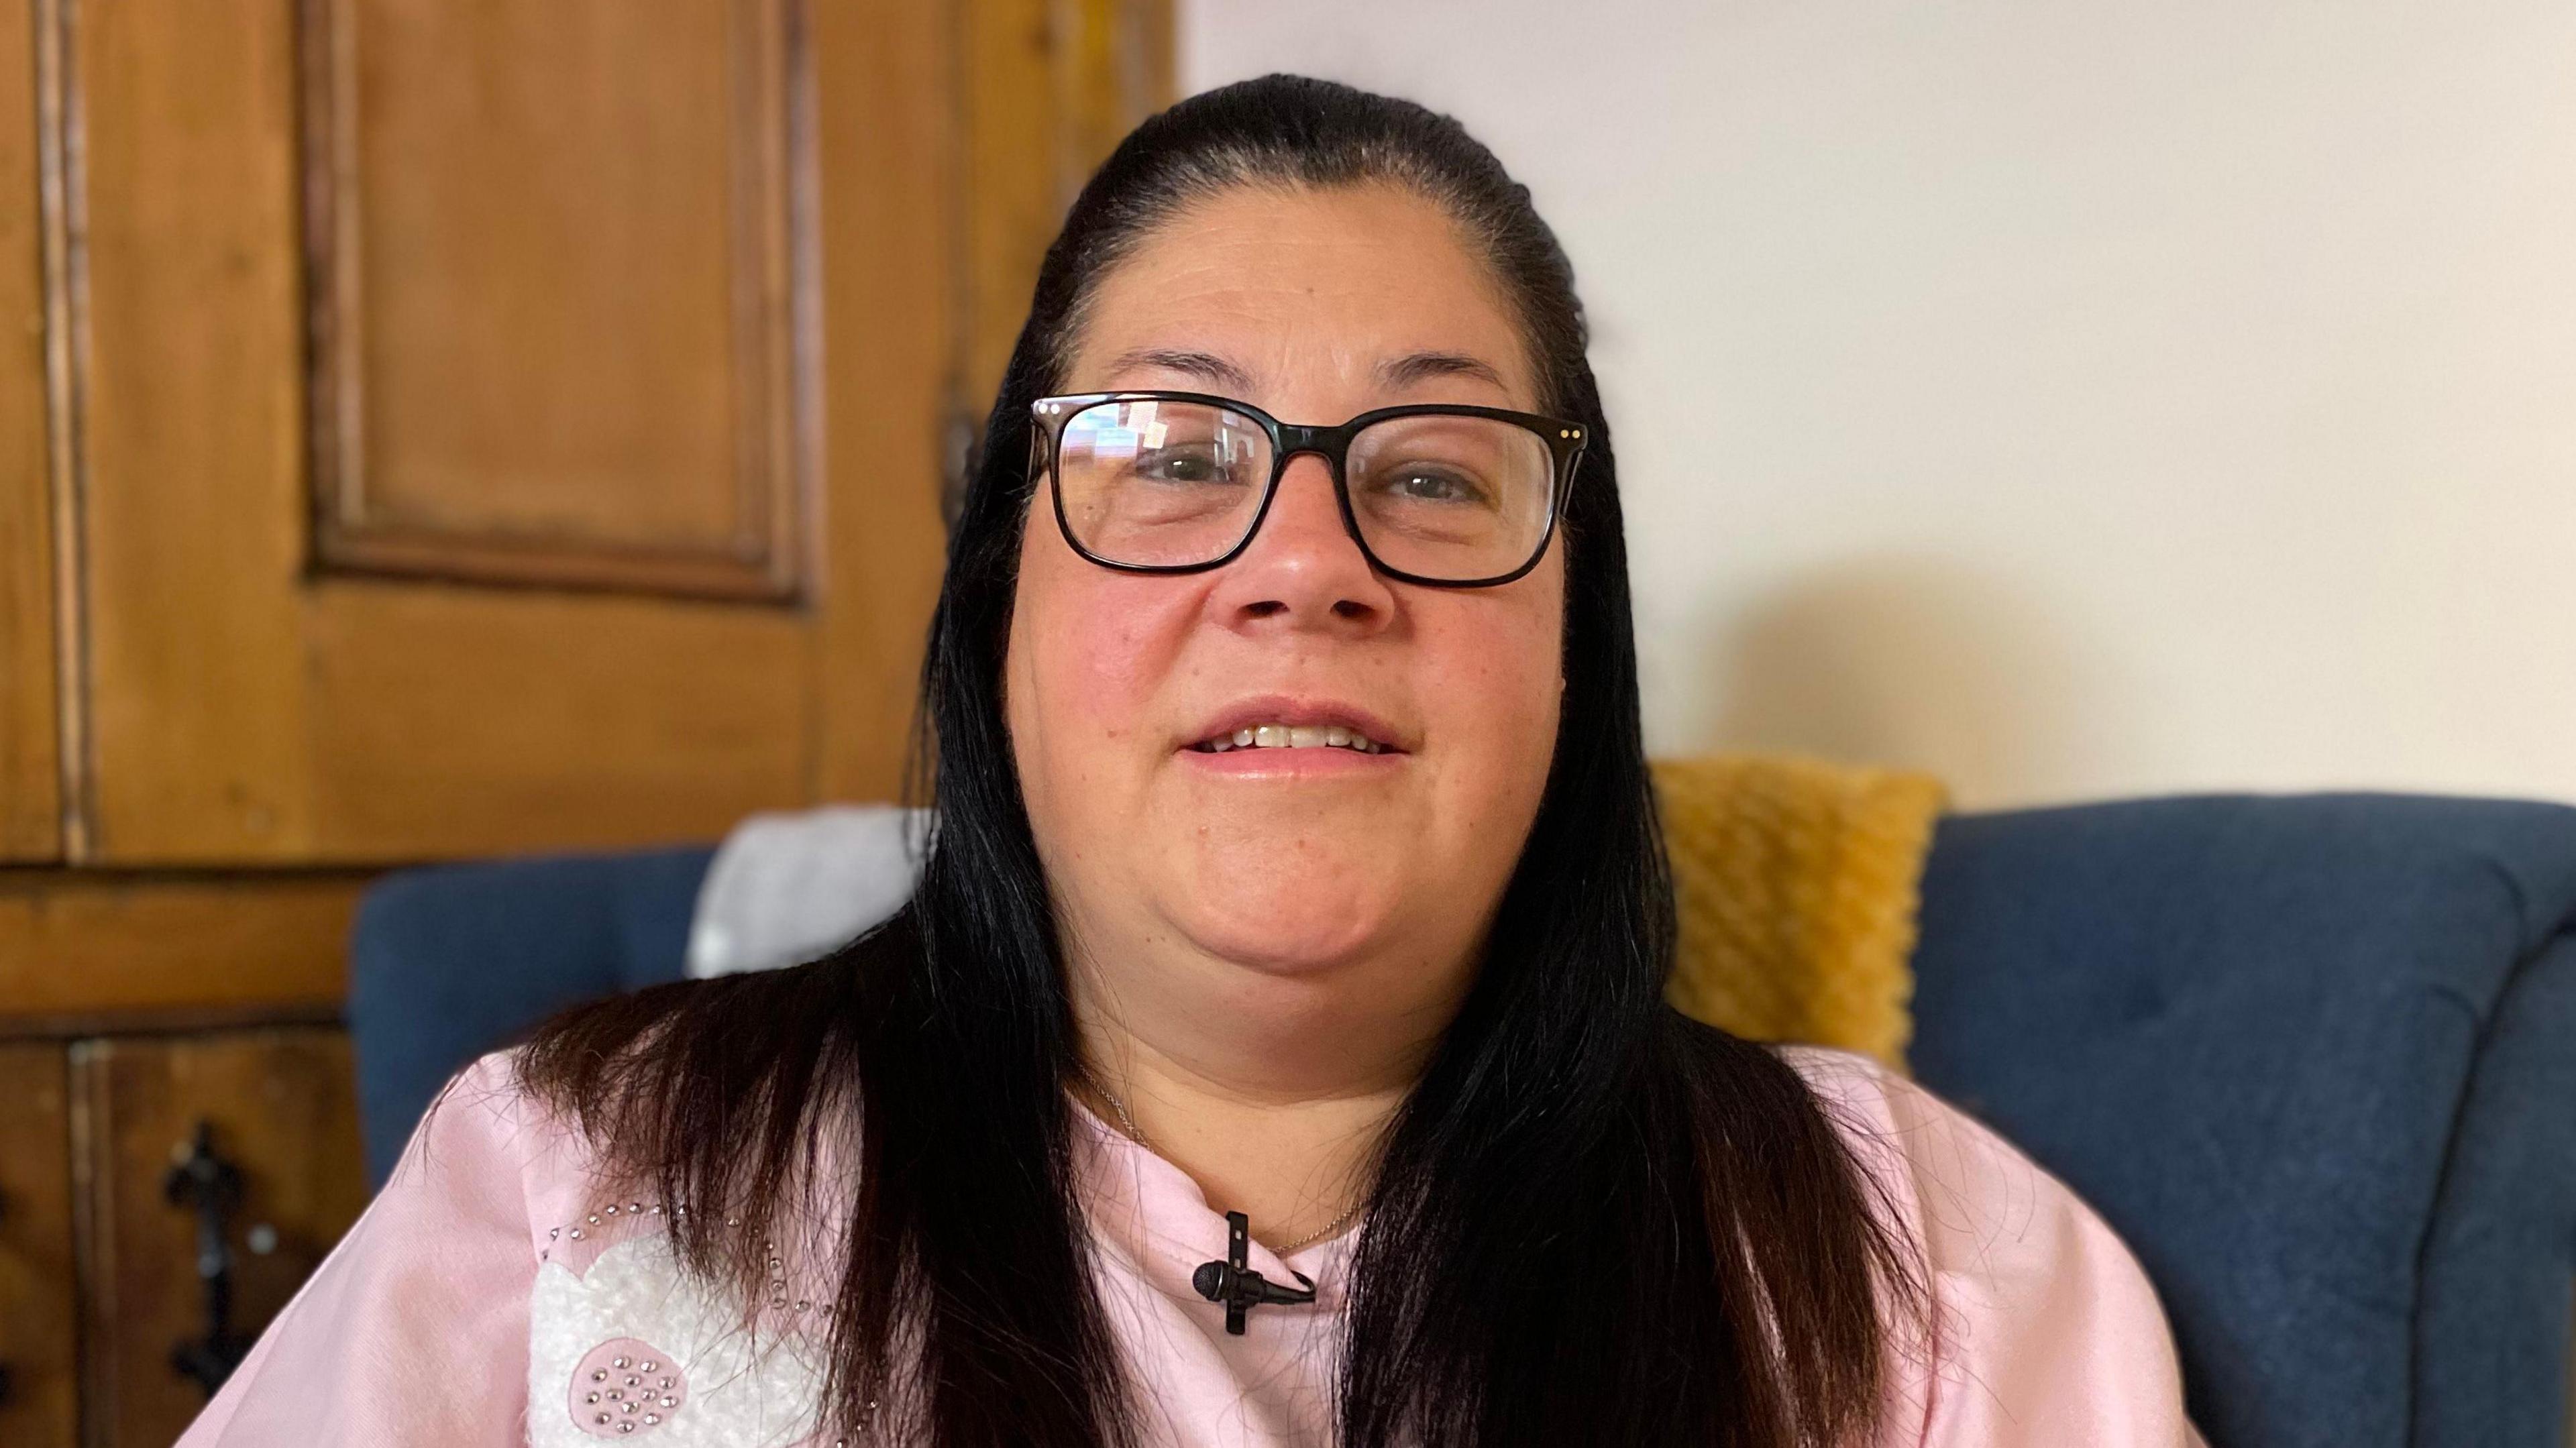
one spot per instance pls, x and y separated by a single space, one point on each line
1127 1123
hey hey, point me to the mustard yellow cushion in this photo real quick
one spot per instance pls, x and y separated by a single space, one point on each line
1797 883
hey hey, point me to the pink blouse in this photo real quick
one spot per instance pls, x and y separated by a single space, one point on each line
491 1296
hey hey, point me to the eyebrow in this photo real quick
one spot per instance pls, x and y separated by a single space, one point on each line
1207 367
1398 373
1417 367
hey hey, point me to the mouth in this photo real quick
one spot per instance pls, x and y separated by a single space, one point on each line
1290 736
1281 722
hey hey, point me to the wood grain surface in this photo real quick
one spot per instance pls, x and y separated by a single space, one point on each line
97 944
30 769
37 1338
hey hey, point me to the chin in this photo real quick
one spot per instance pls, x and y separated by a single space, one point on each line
1286 927
1282 960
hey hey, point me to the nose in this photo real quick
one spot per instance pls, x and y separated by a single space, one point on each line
1303 568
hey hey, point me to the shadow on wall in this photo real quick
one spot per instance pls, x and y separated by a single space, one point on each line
1915 662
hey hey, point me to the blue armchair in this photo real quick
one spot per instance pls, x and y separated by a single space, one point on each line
2313 1055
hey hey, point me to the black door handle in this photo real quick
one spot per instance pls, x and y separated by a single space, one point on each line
203 1182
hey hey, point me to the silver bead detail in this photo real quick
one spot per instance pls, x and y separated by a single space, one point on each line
625 1427
648 1365
599 1375
617 1362
602 1418
590 1398
670 1402
576 1234
594 1219
666 1385
652 1418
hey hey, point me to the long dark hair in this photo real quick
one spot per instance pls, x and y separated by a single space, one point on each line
1592 1220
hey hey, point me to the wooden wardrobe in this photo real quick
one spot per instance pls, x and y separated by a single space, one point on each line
435 429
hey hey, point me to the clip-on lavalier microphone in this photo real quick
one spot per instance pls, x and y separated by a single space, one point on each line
1237 1285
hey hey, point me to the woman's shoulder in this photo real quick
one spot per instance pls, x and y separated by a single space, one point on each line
1870 1097
1960 1189
487 1139
2044 1326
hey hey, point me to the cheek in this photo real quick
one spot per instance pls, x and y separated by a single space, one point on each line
1501 686
1081 667
1088 651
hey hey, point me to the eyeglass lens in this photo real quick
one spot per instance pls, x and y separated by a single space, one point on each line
1162 484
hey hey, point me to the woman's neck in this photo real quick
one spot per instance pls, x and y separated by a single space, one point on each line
1272 1092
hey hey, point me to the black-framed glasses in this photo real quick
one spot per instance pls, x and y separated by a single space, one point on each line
1174 482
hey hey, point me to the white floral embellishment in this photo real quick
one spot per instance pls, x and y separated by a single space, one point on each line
636 1303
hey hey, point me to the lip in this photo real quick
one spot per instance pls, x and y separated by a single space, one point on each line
1294 712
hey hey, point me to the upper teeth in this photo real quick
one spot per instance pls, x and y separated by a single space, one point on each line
1293 736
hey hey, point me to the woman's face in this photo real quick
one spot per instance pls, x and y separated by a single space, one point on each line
1295 862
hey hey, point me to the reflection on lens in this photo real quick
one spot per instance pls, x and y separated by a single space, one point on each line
1161 484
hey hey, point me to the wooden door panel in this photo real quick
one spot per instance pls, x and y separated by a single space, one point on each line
556 301
30 804
247 708
191 427
585 397
41 1407
477 721
280 1106
78 946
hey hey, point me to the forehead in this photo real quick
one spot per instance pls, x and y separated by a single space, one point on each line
1313 298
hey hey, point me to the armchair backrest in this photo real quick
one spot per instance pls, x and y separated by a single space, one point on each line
2314 1056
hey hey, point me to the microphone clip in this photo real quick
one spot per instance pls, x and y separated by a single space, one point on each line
1235 1284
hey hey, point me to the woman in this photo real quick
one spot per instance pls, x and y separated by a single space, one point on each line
1297 882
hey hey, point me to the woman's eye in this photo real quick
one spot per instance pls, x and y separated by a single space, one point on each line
1183 465
1432 485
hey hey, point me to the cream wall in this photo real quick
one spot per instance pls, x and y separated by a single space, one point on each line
2076 399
